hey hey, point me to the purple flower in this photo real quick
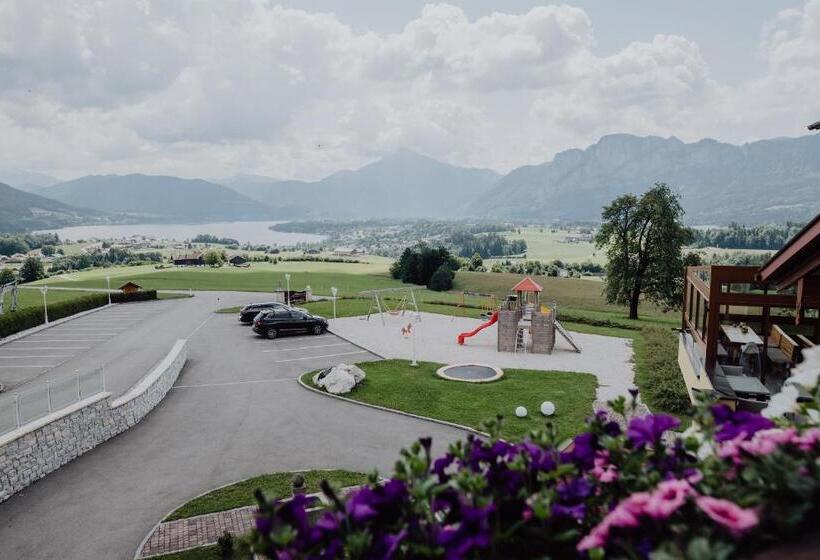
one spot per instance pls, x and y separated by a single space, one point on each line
576 490
649 429
732 424
581 451
575 512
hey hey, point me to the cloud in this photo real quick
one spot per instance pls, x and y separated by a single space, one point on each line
209 88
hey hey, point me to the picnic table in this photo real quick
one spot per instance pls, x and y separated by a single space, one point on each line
737 337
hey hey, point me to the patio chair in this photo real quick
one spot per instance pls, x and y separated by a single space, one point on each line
750 360
732 370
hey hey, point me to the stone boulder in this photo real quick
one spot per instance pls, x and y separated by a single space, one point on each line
339 379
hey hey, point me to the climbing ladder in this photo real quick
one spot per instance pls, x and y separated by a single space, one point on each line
521 340
565 333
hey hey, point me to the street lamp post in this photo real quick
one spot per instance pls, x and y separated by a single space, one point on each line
44 291
333 292
287 292
108 283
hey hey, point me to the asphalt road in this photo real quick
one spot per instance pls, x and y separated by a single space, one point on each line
236 411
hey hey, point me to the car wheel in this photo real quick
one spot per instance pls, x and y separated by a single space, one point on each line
271 333
318 329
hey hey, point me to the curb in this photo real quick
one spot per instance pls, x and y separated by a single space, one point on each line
394 411
40 328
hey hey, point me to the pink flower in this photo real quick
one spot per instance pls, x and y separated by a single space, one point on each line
603 470
808 440
728 514
595 539
668 497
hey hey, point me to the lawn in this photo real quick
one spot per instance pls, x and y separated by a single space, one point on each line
394 384
201 553
274 485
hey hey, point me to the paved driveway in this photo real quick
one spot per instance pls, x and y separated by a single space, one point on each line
235 412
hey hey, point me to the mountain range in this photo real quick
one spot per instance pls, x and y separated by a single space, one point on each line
760 182
157 198
22 211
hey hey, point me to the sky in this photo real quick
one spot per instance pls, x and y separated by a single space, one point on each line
301 89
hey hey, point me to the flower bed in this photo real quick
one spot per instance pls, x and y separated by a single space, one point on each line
732 484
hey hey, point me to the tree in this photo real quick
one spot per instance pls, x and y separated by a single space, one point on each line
32 270
442 279
6 276
418 263
476 262
643 237
214 257
48 250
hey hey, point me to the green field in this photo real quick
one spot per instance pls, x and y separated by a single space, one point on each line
545 244
394 384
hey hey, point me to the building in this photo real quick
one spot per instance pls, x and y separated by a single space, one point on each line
130 288
189 259
744 324
238 260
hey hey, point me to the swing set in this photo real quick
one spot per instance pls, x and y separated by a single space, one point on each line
381 304
12 288
489 303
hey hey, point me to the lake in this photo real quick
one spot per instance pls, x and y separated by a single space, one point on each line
244 232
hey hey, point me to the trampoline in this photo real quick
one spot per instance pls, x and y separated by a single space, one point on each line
470 373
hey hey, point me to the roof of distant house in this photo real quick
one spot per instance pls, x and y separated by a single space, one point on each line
815 126
130 285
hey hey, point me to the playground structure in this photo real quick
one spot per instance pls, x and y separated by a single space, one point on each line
12 288
524 324
380 304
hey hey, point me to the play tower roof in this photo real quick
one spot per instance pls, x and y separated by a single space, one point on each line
527 285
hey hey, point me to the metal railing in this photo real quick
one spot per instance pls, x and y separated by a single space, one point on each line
33 402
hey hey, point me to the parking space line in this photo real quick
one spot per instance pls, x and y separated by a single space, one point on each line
48 348
40 366
287 348
47 356
228 383
41 340
323 356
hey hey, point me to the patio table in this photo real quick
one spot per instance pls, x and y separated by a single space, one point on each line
747 385
737 337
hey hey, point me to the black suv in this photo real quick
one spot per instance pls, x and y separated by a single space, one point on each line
278 321
247 313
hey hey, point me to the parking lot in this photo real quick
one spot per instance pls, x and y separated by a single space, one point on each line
31 357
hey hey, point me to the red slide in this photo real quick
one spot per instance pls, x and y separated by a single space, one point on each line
479 328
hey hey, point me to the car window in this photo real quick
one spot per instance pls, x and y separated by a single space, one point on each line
296 315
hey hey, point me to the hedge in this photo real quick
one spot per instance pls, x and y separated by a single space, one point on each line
12 322
657 372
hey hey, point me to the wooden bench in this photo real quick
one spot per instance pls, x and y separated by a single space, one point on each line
804 341
782 348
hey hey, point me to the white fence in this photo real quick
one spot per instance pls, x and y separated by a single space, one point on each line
19 408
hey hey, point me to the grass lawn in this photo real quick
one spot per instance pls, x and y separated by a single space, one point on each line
274 485
394 384
33 298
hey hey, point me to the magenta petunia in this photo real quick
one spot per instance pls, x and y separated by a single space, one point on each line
736 519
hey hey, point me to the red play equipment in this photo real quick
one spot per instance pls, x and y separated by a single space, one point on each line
481 327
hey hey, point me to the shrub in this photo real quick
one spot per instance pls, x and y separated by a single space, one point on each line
32 270
442 279
657 372
735 484
6 276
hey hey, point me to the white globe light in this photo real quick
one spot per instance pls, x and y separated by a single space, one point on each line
521 412
547 408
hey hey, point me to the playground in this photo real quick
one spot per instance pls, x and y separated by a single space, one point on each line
522 333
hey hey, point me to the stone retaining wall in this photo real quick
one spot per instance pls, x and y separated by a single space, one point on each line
40 447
